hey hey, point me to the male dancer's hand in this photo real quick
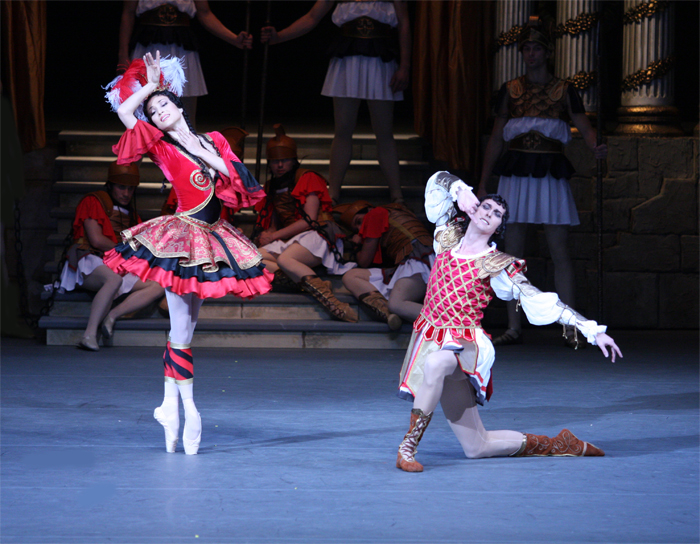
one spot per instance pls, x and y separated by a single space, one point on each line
604 342
467 202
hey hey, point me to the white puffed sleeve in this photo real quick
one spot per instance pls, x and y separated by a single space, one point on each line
440 196
542 308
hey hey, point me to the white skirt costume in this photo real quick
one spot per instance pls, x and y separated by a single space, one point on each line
358 76
460 288
405 270
72 277
546 200
195 85
318 247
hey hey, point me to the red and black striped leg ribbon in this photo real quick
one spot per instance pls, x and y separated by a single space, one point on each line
178 363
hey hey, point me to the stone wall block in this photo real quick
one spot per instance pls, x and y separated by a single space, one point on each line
631 300
617 213
581 157
678 301
583 246
643 252
673 210
583 188
621 185
587 222
690 253
661 158
39 164
622 153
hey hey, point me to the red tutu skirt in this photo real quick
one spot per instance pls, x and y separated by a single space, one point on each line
187 255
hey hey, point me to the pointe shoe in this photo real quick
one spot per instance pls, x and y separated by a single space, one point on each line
107 330
192 446
88 343
170 432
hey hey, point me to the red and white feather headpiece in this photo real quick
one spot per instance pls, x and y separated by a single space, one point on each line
172 78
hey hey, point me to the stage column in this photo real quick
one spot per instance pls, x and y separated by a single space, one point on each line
574 57
511 17
647 70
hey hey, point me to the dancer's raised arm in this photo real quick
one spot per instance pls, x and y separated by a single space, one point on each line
130 105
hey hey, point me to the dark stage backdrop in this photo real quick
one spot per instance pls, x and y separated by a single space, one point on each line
82 55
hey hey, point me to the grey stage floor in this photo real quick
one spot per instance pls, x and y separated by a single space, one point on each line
300 446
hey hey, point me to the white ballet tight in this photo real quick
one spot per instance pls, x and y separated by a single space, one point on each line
184 312
444 381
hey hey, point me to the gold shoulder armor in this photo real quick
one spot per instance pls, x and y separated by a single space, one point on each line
450 236
557 91
516 87
497 261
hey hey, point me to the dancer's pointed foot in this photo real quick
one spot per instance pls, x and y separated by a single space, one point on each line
171 425
192 434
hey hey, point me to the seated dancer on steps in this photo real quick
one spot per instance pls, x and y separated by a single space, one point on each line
194 254
297 231
99 218
395 259
449 358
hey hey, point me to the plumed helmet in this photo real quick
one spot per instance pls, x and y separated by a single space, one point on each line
349 211
281 146
535 31
235 137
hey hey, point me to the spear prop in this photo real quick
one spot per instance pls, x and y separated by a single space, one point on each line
599 166
244 79
263 84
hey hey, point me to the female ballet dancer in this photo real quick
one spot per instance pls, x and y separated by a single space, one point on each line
194 253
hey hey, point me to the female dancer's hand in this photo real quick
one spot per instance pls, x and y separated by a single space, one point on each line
189 141
268 34
152 67
604 342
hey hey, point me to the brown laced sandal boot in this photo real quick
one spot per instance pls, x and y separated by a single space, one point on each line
567 445
321 291
534 445
379 307
281 283
409 445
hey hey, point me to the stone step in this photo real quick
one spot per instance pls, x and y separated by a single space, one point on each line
149 195
309 145
240 333
270 306
360 171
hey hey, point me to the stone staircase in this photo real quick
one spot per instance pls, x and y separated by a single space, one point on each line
273 320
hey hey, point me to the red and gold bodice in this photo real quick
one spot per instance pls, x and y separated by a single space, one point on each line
456 295
459 288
